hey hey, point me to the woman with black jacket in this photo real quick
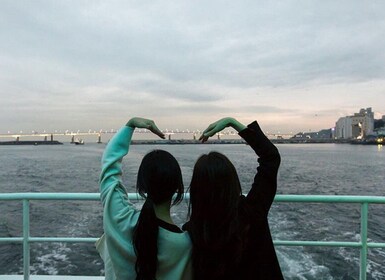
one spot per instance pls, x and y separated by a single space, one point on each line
230 232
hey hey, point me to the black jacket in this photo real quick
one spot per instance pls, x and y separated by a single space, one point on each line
259 260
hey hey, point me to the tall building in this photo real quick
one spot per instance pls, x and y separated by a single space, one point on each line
343 128
357 126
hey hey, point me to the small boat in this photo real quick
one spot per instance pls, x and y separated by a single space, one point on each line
79 141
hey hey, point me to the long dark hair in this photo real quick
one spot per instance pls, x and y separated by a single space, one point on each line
214 226
159 178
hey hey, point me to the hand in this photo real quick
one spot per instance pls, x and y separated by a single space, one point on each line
219 126
147 124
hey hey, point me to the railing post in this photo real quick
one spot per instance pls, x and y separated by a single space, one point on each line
364 240
26 249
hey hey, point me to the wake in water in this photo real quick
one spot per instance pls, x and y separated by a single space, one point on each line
311 169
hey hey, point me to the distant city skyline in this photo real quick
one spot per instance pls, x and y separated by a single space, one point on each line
165 130
294 66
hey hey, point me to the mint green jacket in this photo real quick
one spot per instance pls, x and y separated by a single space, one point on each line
119 220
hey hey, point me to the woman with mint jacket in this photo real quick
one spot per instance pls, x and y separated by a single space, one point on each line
142 244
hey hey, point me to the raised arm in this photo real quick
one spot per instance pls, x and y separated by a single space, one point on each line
116 149
118 215
264 187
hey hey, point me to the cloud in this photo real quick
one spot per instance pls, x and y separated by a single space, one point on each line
76 61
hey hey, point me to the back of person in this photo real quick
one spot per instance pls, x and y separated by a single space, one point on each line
259 260
145 244
174 255
230 232
174 258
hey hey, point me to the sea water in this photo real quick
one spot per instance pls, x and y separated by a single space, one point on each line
327 169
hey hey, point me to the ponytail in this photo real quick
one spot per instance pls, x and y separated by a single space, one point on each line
145 242
159 178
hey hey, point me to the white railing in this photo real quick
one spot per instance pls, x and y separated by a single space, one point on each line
363 244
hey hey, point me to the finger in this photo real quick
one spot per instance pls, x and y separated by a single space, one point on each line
210 127
154 129
204 134
207 132
158 132
204 139
210 132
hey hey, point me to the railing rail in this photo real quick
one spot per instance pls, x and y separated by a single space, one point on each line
363 244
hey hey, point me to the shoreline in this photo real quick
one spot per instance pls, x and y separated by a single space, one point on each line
209 142
241 141
31 142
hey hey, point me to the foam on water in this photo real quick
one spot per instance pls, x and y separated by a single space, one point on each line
375 261
49 263
376 264
310 169
294 261
298 265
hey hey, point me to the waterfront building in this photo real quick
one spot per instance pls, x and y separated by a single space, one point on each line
358 126
343 128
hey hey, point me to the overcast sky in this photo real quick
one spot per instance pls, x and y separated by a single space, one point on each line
292 65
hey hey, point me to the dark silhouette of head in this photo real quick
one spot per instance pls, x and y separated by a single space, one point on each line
214 195
159 178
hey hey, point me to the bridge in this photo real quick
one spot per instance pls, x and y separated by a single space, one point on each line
193 134
52 135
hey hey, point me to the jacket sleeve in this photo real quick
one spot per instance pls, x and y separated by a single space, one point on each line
111 175
119 215
117 209
264 187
